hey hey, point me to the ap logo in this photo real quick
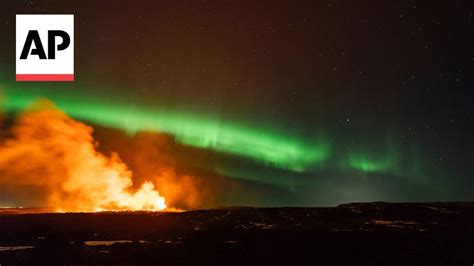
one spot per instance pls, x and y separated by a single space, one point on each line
45 47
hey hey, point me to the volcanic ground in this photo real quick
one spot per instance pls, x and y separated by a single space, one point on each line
350 234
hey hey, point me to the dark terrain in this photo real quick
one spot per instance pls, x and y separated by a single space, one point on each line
350 234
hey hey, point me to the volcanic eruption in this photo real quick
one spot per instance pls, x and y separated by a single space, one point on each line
50 159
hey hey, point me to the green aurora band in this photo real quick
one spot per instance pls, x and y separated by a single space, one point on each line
271 148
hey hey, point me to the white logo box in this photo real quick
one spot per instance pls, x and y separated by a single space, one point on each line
33 68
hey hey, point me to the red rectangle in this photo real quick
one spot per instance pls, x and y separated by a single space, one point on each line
44 77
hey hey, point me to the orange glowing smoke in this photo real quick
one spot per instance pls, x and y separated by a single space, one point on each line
51 160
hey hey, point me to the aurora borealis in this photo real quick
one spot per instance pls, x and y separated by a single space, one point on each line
275 103
281 151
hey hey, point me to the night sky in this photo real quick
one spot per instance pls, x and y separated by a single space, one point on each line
274 103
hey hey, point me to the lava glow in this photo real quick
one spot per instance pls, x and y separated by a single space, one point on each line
51 160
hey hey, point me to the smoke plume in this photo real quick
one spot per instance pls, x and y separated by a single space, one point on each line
49 159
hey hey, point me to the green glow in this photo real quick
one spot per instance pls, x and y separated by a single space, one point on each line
267 147
378 156
367 163
387 158
270 147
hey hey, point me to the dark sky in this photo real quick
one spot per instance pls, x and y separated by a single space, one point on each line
388 84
